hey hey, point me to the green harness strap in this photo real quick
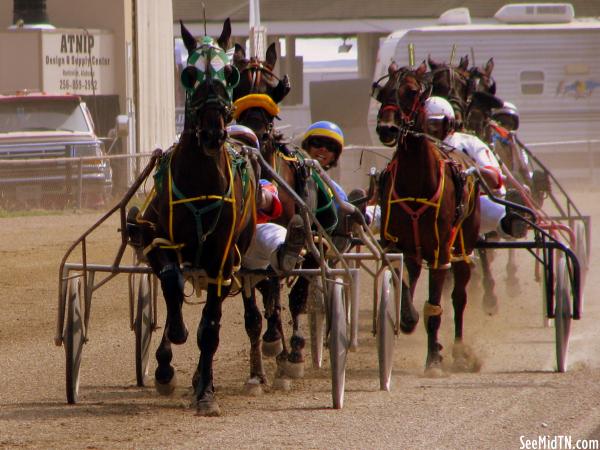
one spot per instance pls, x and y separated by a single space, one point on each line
238 167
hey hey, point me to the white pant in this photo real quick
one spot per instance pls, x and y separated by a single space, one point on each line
491 214
263 248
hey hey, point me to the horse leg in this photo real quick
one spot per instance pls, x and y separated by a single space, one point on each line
165 379
253 324
163 263
432 318
490 301
409 317
171 281
512 281
297 302
208 342
464 358
272 341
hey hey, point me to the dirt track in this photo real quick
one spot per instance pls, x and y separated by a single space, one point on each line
516 394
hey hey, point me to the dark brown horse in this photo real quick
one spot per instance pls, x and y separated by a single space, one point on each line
256 100
201 217
421 192
452 83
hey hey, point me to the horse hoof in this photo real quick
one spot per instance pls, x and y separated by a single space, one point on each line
294 370
465 360
490 304
207 408
177 335
272 349
282 384
408 322
434 371
254 387
168 387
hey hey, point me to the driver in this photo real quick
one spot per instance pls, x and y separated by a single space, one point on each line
494 216
272 245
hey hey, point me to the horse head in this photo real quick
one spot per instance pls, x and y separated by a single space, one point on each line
258 93
209 79
481 80
452 83
401 99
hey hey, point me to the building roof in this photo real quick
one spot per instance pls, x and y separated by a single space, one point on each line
310 10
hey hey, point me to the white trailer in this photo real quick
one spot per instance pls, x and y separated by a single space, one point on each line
551 71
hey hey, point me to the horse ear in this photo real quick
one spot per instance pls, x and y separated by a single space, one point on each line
432 64
188 40
271 56
464 62
393 68
489 66
422 69
224 40
239 54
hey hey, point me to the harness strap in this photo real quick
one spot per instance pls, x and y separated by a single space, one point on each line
434 202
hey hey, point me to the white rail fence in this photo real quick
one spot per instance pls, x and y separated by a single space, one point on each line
567 160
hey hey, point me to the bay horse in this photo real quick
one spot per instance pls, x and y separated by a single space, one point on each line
469 91
421 191
201 217
256 106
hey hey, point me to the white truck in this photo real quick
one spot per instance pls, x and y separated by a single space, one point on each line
551 71
40 135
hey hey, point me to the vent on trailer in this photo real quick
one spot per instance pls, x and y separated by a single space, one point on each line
536 13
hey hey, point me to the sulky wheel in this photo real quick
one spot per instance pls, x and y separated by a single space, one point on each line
385 331
143 328
546 269
562 311
338 343
316 320
73 338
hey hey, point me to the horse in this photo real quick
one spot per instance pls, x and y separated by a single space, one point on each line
421 194
452 83
255 106
256 101
201 217
470 91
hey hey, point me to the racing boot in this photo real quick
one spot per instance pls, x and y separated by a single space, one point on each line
134 231
288 253
513 225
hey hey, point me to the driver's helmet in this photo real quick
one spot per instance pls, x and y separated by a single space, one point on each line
438 108
507 116
325 130
243 134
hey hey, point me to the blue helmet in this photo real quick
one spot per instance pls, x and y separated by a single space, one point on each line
325 129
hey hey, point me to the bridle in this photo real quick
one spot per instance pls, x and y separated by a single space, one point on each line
404 121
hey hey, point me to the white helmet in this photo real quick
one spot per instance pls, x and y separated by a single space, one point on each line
510 110
243 134
438 108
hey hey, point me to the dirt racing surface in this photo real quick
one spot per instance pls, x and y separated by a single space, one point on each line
516 397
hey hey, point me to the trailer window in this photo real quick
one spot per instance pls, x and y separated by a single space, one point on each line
532 82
